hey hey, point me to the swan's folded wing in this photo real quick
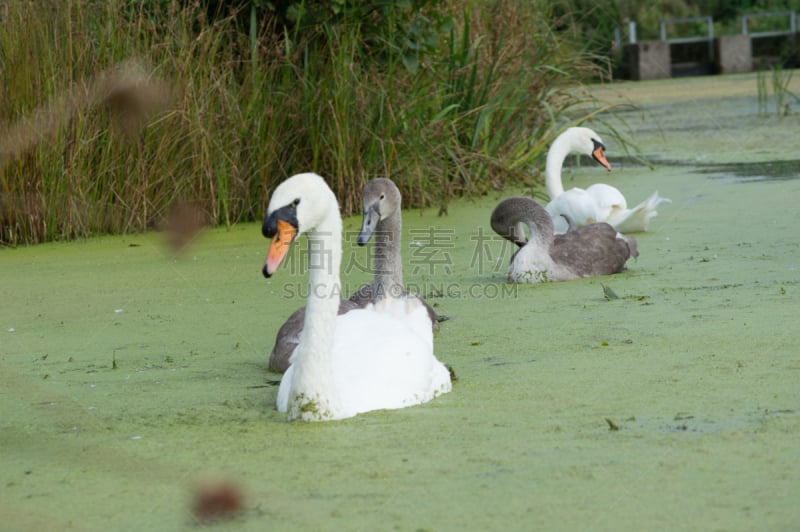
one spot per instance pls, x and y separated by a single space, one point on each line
591 250
383 358
577 205
289 336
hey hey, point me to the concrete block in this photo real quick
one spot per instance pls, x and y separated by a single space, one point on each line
649 60
733 53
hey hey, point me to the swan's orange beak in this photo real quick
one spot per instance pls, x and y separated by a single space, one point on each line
279 246
599 155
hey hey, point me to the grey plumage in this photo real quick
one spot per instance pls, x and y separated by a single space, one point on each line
594 249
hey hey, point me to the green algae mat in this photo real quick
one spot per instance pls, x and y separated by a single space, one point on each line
663 398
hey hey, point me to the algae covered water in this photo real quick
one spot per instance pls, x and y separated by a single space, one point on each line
665 397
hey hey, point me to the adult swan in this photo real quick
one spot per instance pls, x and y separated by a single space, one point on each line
599 202
382 217
374 358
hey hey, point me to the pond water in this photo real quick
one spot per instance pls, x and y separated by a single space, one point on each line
130 376
758 171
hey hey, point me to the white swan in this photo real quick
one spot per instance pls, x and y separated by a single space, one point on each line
379 357
599 202
382 217
594 249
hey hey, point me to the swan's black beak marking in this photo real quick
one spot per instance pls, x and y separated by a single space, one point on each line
281 226
286 213
599 154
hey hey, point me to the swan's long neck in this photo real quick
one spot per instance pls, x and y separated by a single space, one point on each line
555 161
324 286
313 394
540 226
388 259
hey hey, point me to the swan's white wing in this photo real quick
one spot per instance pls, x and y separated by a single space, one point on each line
383 358
638 218
607 196
576 203
603 203
609 201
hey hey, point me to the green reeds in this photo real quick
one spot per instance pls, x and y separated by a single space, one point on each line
778 80
112 114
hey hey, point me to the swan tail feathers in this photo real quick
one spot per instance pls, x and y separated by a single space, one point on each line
638 218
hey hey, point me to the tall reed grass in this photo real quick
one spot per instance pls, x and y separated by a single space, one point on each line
780 80
112 114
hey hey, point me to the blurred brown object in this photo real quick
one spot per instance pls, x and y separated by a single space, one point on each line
217 501
183 223
131 96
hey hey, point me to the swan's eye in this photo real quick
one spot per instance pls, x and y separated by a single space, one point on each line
383 196
296 202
